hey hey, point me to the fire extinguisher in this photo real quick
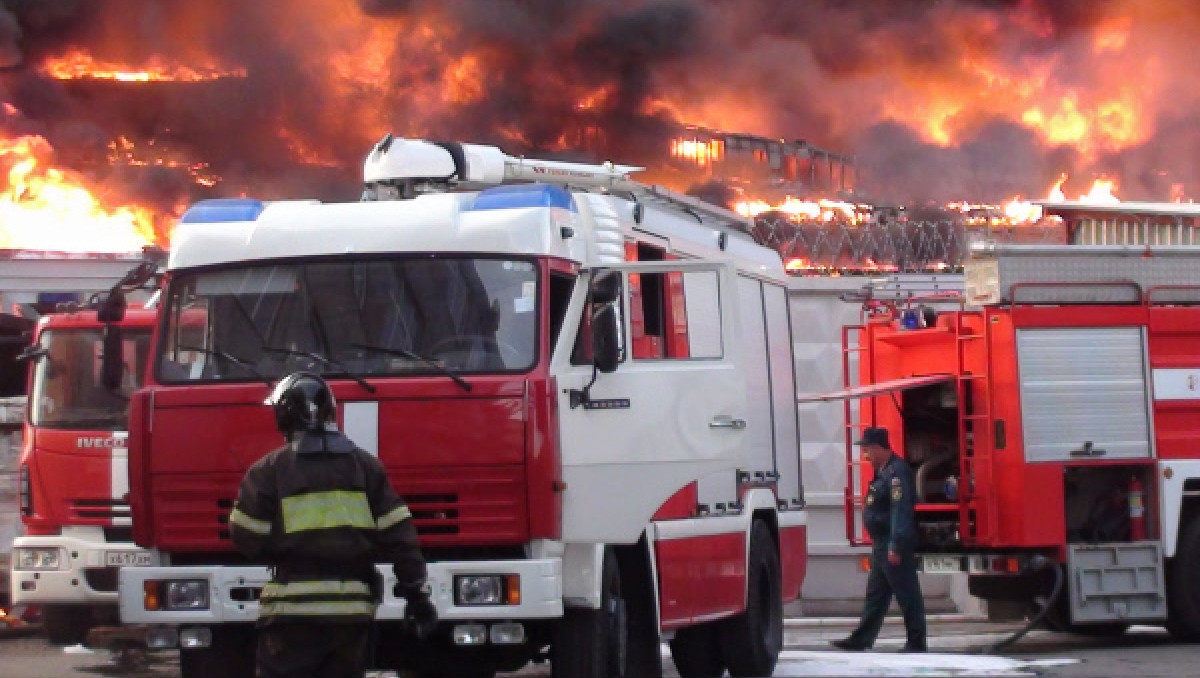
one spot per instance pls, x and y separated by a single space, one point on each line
1137 510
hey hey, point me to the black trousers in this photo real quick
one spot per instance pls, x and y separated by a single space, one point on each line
884 581
307 650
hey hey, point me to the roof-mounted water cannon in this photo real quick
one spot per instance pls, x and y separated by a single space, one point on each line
401 169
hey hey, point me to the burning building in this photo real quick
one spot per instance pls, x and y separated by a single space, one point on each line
145 107
762 165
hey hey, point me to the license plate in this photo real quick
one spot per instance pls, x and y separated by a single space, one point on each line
941 564
126 559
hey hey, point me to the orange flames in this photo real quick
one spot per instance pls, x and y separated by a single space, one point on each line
803 210
125 152
77 64
699 152
45 208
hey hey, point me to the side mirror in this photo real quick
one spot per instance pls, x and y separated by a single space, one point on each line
32 352
112 362
112 307
606 348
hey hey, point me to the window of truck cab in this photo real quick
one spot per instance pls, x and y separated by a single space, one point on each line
67 389
363 316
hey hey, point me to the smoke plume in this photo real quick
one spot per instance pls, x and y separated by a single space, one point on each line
953 100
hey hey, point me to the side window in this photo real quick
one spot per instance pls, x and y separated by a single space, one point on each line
186 337
675 315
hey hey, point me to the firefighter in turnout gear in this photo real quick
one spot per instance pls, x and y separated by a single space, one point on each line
890 520
320 511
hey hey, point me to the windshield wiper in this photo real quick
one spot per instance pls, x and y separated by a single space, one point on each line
442 369
322 359
240 362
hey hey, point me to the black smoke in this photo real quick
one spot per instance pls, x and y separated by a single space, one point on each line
838 73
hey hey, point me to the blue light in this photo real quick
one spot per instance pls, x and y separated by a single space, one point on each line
220 210
523 195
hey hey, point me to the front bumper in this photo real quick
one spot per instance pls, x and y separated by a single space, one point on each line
83 577
233 592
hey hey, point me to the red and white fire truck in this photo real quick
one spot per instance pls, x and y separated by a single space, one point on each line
583 387
73 476
1053 419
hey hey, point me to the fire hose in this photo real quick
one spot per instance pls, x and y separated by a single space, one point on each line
1038 562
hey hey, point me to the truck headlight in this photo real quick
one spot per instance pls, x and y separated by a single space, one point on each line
38 559
487 589
187 594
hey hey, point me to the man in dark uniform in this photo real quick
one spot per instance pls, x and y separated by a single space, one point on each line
890 520
320 511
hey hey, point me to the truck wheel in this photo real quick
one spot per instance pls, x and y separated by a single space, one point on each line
1183 587
697 652
591 643
751 641
231 654
66 624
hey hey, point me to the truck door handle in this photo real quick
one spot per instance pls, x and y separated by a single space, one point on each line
726 421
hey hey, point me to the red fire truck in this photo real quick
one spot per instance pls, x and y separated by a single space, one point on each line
583 387
1052 420
73 477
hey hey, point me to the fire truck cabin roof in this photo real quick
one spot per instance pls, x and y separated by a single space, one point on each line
528 219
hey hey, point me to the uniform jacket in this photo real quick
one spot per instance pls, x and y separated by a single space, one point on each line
321 512
889 512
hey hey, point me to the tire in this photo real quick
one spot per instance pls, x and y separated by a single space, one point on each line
1183 586
696 651
592 643
751 641
66 624
231 654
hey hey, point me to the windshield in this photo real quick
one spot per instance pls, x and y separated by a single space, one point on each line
67 392
367 317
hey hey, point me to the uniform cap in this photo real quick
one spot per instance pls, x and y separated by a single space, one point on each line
875 436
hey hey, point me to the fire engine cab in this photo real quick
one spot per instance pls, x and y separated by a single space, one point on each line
73 477
1051 417
582 386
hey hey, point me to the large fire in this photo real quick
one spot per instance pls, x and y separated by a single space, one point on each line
47 208
960 101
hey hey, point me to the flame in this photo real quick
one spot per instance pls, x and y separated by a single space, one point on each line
1101 193
123 151
700 152
803 210
77 64
46 208
1112 105
1018 211
1056 193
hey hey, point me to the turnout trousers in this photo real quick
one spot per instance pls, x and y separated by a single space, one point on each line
310 650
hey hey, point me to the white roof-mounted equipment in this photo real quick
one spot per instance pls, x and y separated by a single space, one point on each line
401 169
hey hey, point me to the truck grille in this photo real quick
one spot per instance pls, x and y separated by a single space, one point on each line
471 505
463 506
100 509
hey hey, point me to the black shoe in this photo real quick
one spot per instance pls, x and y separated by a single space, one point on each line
914 648
849 644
